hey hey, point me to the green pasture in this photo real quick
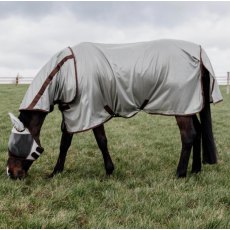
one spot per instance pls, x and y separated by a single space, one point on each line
143 191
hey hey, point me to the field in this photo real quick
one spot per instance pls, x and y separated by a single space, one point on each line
143 191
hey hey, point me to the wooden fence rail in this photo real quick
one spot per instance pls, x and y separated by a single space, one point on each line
13 80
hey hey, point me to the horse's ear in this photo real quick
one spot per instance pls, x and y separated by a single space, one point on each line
18 125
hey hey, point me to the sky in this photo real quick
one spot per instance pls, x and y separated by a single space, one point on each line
32 32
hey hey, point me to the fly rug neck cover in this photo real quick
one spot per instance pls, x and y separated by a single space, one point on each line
98 81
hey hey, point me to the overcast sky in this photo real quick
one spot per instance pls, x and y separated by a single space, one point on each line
32 32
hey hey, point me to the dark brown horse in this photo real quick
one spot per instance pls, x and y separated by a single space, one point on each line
191 129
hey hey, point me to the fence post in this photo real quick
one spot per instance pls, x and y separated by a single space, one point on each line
17 80
228 82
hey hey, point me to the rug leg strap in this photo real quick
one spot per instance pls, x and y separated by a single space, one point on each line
62 107
110 111
144 104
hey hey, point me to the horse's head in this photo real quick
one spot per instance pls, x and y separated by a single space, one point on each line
23 149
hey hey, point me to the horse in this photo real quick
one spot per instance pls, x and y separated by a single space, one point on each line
24 143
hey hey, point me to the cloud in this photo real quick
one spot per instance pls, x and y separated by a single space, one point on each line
31 32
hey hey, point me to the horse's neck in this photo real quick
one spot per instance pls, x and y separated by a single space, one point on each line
33 120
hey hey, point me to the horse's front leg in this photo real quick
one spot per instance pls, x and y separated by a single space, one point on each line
99 133
66 140
188 134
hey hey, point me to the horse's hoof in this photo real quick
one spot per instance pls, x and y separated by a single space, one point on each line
109 171
53 174
196 171
50 176
109 174
181 175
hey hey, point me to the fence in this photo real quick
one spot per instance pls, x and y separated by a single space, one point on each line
228 82
12 80
222 80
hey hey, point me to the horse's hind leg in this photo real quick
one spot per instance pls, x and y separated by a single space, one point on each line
188 134
196 164
99 133
66 140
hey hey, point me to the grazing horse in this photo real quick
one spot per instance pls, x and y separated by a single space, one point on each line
92 83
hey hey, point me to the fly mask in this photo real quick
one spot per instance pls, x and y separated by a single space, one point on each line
21 142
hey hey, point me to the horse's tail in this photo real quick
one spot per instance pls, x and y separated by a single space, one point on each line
208 143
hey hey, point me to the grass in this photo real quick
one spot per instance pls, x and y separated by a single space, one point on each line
143 191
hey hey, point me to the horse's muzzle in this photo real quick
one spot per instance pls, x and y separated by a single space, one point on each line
21 174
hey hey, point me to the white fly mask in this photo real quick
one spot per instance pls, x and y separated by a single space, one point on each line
21 142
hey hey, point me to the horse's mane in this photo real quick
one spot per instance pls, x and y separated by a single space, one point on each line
26 116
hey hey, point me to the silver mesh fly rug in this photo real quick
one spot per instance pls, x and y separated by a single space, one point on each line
93 82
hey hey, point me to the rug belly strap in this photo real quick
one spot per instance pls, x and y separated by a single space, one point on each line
110 111
63 106
144 104
113 114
